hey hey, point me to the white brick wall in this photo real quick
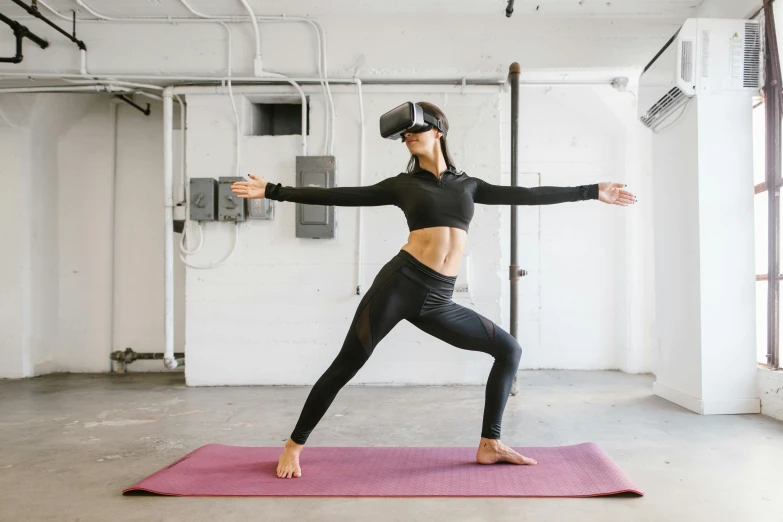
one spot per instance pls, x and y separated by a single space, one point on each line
568 138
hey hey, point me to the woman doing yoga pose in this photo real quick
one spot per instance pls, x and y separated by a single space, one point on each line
417 284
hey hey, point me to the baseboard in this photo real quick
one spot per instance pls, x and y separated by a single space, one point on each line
709 407
688 402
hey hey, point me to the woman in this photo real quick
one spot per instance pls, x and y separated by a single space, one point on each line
418 283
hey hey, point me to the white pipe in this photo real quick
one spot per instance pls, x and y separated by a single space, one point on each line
248 89
168 229
257 62
102 17
110 81
65 88
183 135
328 91
183 249
200 15
320 33
361 182
304 107
219 263
266 79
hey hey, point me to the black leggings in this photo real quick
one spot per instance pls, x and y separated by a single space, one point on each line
405 288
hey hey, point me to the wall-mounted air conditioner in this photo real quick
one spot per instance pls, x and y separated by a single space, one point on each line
703 214
705 55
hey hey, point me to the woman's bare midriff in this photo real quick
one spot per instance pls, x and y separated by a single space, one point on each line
440 248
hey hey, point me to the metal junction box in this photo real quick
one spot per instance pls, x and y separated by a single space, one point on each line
230 207
315 221
203 199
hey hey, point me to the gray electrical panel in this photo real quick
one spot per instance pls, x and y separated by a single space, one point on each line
230 207
315 221
203 199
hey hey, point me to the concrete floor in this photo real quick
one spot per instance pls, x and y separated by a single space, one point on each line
69 444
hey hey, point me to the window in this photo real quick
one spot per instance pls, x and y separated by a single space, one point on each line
767 131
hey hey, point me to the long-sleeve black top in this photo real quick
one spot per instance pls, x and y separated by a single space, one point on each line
428 201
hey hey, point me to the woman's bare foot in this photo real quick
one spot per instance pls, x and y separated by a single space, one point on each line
288 466
491 451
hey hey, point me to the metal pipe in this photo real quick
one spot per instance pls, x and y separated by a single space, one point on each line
18 57
16 26
65 88
20 33
774 105
34 12
169 359
113 108
128 356
96 76
217 80
136 106
513 269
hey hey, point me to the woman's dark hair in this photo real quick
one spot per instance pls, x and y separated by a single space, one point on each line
432 110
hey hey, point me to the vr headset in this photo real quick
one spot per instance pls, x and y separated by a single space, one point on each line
408 117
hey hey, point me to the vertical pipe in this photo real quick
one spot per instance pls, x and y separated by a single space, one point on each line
358 83
168 227
113 109
514 272
772 89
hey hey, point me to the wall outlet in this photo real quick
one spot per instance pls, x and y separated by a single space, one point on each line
260 208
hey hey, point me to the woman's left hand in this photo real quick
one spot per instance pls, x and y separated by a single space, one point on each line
613 194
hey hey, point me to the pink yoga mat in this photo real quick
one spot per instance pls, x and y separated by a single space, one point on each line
583 470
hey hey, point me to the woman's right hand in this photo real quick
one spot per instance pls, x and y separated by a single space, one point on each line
250 189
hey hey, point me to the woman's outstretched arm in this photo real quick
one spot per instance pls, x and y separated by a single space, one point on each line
489 194
382 193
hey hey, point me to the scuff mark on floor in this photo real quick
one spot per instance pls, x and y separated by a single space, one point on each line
119 422
186 413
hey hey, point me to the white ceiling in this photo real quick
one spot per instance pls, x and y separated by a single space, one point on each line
522 8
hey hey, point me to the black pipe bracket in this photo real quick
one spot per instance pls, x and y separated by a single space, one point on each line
133 104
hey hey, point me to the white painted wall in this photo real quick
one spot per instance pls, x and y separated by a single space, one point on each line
33 128
574 253
728 8
367 46
574 136
282 300
771 393
56 280
14 263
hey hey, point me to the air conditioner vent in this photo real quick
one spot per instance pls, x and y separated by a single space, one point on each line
686 72
663 107
752 55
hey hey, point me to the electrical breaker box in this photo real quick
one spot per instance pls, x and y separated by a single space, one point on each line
230 207
315 221
203 199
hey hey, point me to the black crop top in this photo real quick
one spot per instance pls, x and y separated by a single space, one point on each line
428 201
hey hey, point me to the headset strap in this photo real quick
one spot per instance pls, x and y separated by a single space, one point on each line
435 122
